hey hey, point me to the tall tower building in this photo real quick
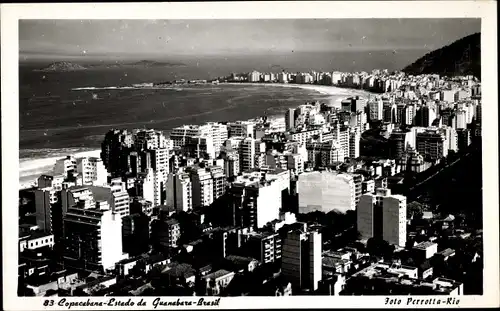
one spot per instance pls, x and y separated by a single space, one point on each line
202 185
341 134
48 211
241 129
254 202
114 150
460 119
231 163
150 139
92 171
382 215
92 234
254 76
425 116
247 154
432 144
214 133
302 258
179 191
409 114
376 110
354 139
135 234
65 166
290 119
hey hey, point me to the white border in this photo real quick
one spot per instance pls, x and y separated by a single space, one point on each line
486 10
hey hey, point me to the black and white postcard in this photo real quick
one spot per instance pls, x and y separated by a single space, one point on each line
219 155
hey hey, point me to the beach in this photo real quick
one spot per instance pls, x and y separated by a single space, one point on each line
322 89
36 161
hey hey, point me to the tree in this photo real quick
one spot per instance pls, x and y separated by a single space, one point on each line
377 246
415 210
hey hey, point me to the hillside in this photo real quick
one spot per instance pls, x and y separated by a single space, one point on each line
462 57
61 67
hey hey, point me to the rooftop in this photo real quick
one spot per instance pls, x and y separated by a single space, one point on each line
179 270
34 235
218 274
447 252
424 245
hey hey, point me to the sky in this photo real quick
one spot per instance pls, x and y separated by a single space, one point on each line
139 39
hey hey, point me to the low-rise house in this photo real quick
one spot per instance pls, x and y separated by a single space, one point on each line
124 266
92 287
446 254
217 281
180 273
332 285
425 270
425 250
241 263
40 285
35 240
151 261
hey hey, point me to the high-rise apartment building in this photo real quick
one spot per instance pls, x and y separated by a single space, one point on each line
341 134
376 110
150 139
254 202
135 234
302 258
448 95
432 144
114 150
265 247
231 163
92 171
460 119
92 234
165 233
354 139
382 215
241 129
218 180
425 116
199 147
463 139
254 76
290 119
451 137
247 154
325 154
399 141
48 211
409 114
65 166
202 185
179 191
216 133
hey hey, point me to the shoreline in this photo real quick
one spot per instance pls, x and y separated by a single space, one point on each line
330 90
32 168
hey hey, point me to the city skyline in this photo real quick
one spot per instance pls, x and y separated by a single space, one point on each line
160 39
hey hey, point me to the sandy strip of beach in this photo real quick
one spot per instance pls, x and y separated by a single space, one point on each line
322 89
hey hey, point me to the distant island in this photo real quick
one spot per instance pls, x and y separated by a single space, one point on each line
462 57
67 66
62 67
149 63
